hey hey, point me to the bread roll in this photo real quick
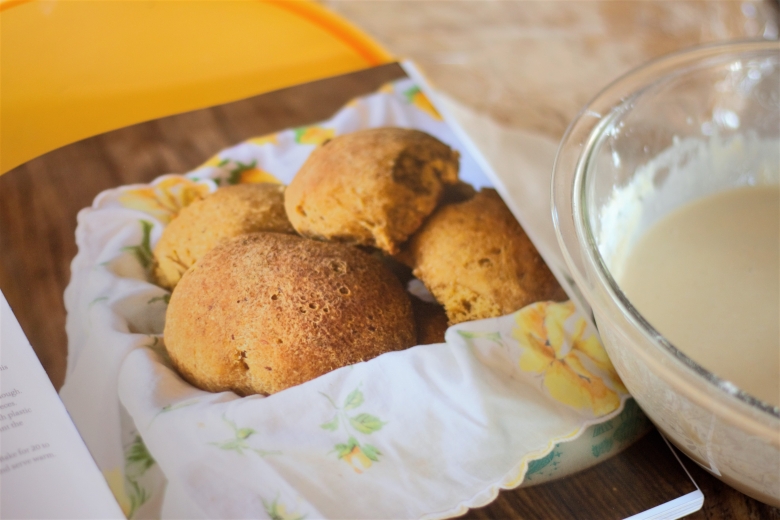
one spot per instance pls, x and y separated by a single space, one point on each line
372 187
478 262
226 213
267 311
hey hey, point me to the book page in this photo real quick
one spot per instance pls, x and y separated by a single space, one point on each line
41 451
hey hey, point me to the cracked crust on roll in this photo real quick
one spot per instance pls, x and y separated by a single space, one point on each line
372 187
267 311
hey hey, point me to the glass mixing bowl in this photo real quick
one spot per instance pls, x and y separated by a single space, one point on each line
673 131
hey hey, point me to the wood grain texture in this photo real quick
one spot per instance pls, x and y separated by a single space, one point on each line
39 202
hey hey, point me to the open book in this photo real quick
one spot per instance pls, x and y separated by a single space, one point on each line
46 470
645 480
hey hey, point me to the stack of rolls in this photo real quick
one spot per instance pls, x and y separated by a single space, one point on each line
275 286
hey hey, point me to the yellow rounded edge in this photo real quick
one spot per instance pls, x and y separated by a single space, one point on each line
308 11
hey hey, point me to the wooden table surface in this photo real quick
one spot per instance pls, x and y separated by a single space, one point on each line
38 206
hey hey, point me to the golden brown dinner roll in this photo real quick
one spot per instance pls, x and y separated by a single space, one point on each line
226 213
372 187
266 311
478 262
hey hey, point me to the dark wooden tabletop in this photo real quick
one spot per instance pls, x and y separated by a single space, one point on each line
40 199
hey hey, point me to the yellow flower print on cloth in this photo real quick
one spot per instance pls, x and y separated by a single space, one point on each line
358 455
571 362
387 88
264 139
244 173
236 172
164 200
256 175
314 134
278 511
416 97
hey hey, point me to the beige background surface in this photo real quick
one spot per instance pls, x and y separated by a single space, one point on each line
532 64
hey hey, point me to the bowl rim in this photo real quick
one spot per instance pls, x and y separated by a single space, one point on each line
568 187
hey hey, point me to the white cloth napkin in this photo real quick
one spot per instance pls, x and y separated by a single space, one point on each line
422 433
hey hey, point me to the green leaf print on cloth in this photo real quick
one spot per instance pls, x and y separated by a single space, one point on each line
143 251
137 461
165 298
173 407
354 399
495 337
358 455
414 96
239 442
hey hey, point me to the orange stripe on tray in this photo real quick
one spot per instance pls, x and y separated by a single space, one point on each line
360 42
8 4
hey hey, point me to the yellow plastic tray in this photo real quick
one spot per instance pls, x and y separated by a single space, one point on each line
72 69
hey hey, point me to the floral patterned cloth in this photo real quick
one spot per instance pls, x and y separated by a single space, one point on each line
422 433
